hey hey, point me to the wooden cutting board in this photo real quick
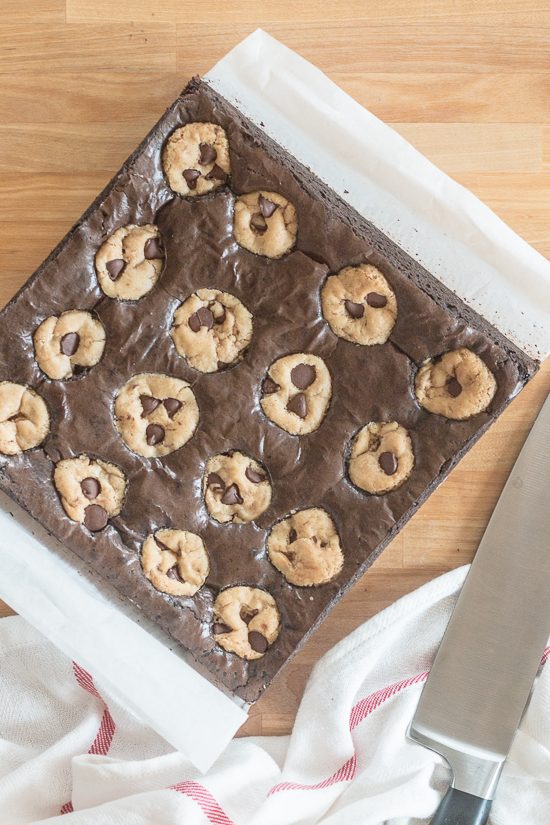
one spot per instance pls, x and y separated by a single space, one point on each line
467 82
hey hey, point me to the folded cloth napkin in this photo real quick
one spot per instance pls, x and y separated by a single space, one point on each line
69 754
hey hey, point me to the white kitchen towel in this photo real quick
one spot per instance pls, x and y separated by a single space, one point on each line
69 754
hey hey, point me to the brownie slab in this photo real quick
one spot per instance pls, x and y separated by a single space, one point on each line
373 383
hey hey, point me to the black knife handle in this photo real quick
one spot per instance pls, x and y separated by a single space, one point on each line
460 808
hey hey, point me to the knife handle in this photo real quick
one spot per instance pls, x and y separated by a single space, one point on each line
461 808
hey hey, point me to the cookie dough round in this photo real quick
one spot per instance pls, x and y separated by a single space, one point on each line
246 621
382 457
236 488
305 547
24 418
156 414
359 305
91 490
175 562
72 340
456 385
195 159
296 392
211 330
265 223
129 263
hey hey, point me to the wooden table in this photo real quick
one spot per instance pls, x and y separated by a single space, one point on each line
467 81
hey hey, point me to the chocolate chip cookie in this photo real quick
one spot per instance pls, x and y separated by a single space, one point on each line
70 342
211 330
91 490
236 488
246 621
305 547
156 414
359 305
381 458
24 418
296 392
195 159
129 263
265 223
456 385
175 562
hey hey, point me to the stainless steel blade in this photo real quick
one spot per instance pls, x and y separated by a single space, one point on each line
483 673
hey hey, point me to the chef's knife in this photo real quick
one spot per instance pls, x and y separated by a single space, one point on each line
484 671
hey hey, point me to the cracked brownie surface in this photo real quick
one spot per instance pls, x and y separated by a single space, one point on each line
309 378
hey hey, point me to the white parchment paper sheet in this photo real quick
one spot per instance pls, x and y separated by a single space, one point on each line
437 221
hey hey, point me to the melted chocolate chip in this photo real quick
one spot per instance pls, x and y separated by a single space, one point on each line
388 463
162 545
174 573
214 480
70 343
257 642
354 310
267 207
254 476
258 224
219 627
153 249
269 386
298 405
216 173
219 319
95 518
90 487
154 434
292 536
207 154
374 299
454 388
172 405
148 404
232 495
191 177
303 376
247 615
115 268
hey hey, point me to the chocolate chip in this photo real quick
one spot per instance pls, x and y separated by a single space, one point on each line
219 627
269 386
267 207
232 495
70 343
214 480
115 268
254 476
303 376
354 310
154 434
257 642
216 173
248 615
454 388
374 299
153 249
90 487
162 545
191 176
172 405
207 154
292 536
194 323
219 319
148 404
388 463
201 318
95 518
258 224
298 405
174 573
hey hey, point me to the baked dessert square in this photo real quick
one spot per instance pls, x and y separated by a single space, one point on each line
227 391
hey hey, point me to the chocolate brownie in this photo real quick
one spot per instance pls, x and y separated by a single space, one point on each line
253 392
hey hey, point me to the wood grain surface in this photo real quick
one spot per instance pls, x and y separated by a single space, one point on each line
467 81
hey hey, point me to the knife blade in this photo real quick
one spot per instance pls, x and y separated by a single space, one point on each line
483 674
